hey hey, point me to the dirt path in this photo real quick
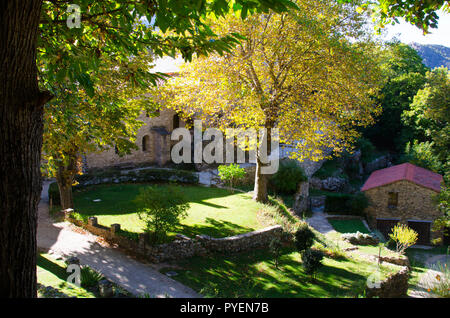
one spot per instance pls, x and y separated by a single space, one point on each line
64 239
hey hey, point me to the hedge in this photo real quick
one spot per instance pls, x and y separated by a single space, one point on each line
344 203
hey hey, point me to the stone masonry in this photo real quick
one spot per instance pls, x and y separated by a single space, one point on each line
414 203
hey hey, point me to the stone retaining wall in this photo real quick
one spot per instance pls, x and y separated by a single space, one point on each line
182 247
394 286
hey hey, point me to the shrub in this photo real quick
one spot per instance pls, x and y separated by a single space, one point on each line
161 209
231 173
286 180
404 237
304 238
275 247
312 261
89 277
368 150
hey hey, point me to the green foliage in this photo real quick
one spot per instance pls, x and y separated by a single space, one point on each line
231 173
367 149
89 277
345 203
312 261
429 116
161 209
404 237
287 178
422 154
304 238
275 247
443 203
422 14
330 168
404 75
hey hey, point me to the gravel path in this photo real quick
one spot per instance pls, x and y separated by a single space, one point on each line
64 239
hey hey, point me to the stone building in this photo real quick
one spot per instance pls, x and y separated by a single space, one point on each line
404 194
153 141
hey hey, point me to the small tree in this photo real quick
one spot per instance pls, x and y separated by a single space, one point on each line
304 238
161 209
275 248
231 173
404 237
312 261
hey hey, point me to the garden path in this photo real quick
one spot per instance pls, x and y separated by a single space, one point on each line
65 240
319 220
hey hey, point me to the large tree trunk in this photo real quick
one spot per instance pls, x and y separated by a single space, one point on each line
64 178
260 192
21 110
261 180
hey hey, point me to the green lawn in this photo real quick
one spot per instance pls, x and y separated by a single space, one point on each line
51 272
253 274
348 226
215 212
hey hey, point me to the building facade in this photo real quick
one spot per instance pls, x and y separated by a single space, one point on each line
403 194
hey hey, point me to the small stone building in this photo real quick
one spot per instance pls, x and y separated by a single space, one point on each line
153 141
404 194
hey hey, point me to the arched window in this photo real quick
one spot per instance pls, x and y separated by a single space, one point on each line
146 143
176 121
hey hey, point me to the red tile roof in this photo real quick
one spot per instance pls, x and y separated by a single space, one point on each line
406 171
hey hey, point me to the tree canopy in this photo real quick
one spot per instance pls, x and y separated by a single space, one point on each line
298 72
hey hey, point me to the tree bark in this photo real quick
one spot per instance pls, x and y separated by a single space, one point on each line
21 128
261 181
260 193
64 178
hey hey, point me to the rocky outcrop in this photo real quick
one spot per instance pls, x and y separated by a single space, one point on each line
377 164
301 198
359 238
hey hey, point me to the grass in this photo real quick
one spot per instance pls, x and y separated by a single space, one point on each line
349 226
253 274
213 211
51 272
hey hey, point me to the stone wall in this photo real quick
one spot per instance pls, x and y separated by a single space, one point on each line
157 144
394 286
182 247
414 203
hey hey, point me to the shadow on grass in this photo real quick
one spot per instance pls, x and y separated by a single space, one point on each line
253 274
213 228
119 199
51 267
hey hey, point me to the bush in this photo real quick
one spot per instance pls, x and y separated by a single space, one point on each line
275 247
304 238
404 237
231 173
312 261
53 193
368 150
161 209
89 277
286 180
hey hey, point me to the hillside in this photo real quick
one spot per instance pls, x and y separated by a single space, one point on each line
433 55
